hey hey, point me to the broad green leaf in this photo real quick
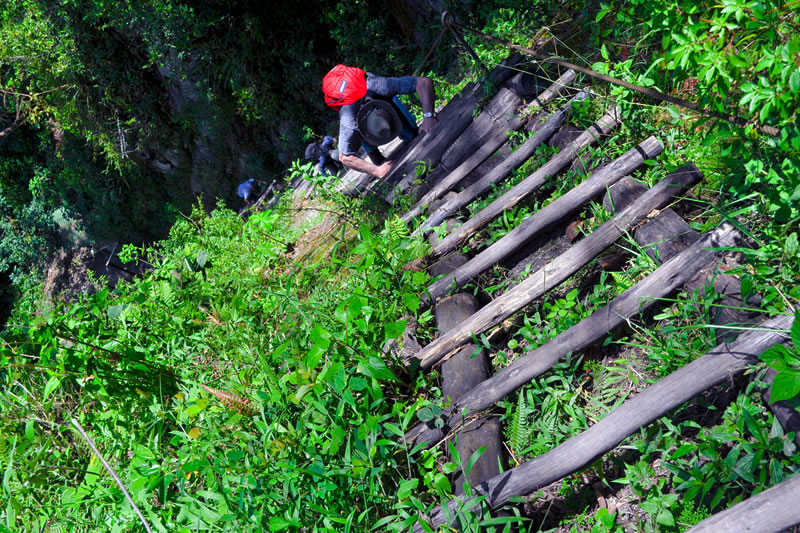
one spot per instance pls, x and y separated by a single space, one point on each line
683 450
235 455
406 487
429 412
315 355
116 310
442 484
395 329
786 385
665 518
795 332
201 259
375 368
51 385
358 384
320 336
790 248
412 301
794 81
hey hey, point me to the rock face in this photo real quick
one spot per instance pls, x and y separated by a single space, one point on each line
208 153
71 272
67 276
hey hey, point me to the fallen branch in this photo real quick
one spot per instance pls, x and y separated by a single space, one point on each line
77 425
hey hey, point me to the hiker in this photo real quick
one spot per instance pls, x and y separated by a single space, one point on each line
246 190
326 154
370 113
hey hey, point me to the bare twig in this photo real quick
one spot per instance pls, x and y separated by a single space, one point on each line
77 425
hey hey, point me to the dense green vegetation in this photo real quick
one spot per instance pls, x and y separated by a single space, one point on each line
240 385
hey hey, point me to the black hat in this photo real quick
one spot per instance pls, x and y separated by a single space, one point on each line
378 122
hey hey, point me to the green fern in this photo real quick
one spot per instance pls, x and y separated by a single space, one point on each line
397 228
519 430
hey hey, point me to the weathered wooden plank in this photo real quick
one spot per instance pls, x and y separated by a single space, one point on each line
714 367
487 148
492 124
520 191
772 510
542 219
556 88
460 374
354 182
557 270
479 141
501 171
430 147
671 275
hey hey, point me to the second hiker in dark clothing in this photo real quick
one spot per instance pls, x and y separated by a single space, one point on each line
326 156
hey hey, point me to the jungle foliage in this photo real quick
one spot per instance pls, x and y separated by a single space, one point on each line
235 387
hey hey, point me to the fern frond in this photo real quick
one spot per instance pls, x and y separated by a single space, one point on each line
398 229
232 401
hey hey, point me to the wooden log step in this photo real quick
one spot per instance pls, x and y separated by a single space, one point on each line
480 140
559 269
429 147
770 511
503 169
542 219
485 150
671 275
460 374
668 234
530 184
494 122
453 120
556 88
655 401
354 182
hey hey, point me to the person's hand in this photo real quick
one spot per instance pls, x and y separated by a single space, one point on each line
427 124
384 169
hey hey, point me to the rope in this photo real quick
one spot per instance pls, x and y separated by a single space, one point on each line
435 44
449 22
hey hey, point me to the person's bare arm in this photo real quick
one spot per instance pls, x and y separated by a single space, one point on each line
355 162
427 97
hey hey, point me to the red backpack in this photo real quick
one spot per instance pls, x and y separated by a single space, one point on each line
344 86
